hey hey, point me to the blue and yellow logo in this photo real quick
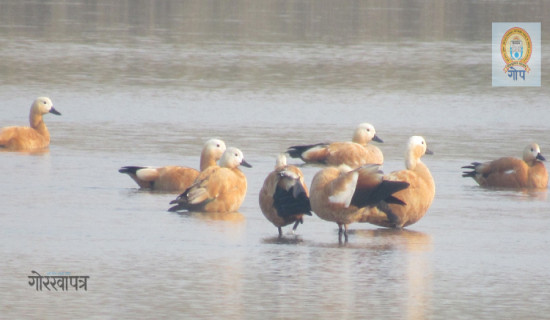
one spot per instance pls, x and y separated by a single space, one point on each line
516 48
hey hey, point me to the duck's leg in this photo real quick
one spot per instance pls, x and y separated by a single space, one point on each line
280 232
346 233
296 225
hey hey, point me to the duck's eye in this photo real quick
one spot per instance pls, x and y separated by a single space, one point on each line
218 145
44 102
532 150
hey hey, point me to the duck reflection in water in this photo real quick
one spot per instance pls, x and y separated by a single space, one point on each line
214 216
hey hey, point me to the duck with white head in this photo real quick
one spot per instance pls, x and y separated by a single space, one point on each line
510 172
34 137
218 188
417 197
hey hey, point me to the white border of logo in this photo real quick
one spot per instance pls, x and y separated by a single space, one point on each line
506 77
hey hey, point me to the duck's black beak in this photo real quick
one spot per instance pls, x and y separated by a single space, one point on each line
540 157
52 110
377 139
246 164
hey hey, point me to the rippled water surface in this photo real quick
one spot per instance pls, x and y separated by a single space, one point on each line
146 83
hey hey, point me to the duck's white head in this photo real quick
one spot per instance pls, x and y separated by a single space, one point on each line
365 133
214 147
416 148
532 153
232 158
43 105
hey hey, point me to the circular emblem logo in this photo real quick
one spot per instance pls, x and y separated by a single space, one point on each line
516 48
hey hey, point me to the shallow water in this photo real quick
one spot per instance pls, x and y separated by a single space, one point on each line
144 83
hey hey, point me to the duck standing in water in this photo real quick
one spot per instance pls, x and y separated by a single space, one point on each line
418 196
284 197
343 195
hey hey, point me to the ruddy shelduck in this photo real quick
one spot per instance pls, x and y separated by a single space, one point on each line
218 188
418 196
284 197
36 136
175 178
353 153
510 172
343 195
